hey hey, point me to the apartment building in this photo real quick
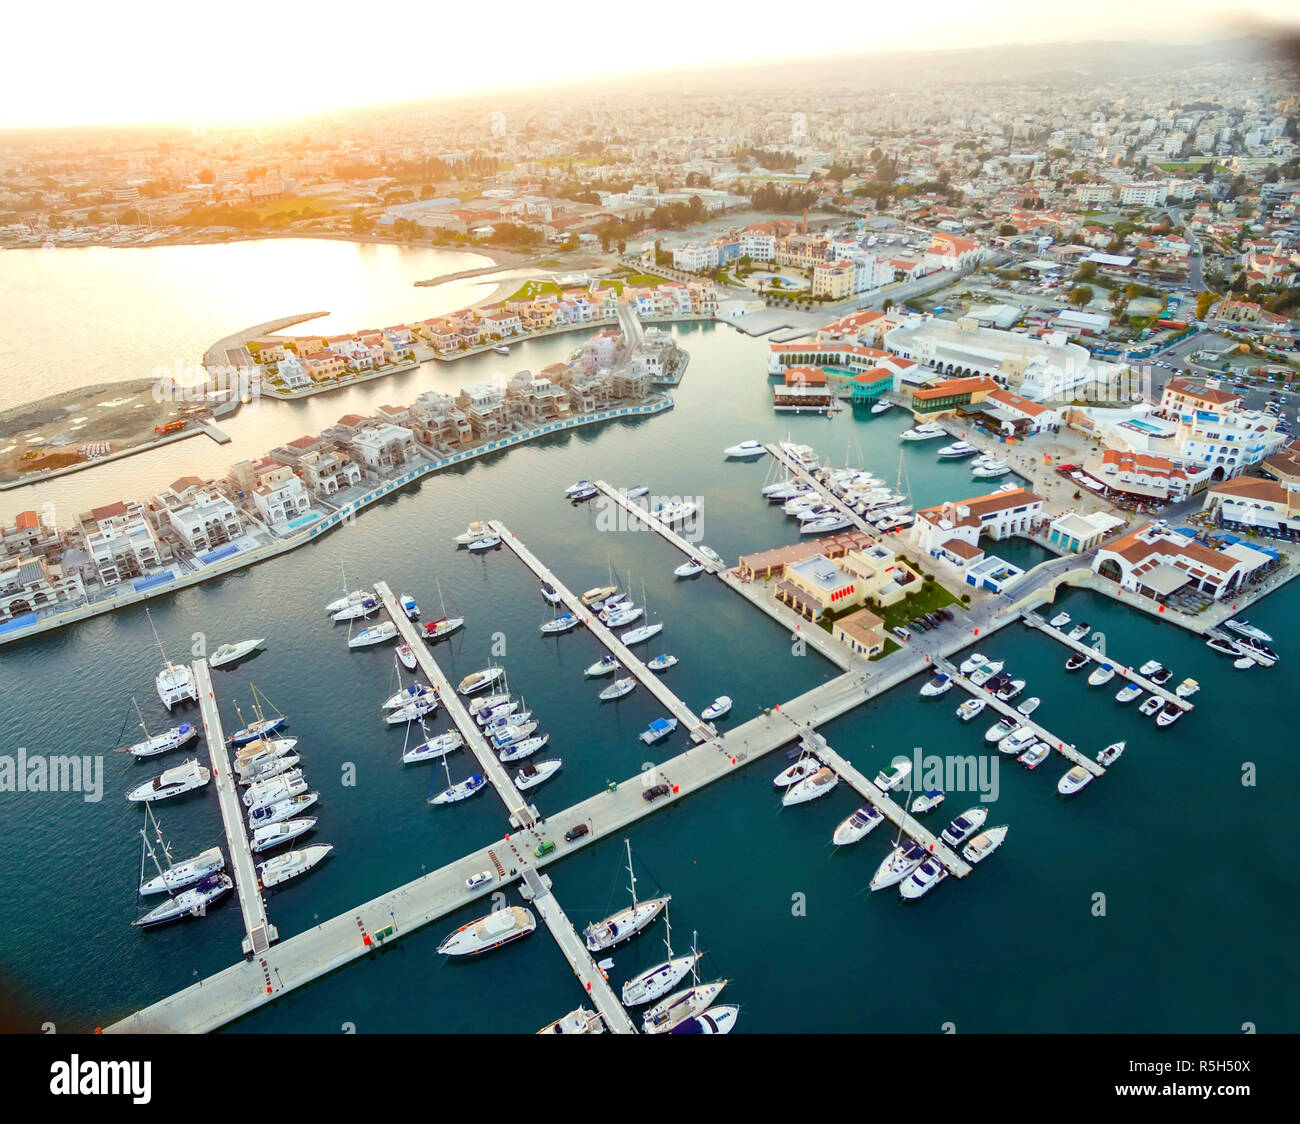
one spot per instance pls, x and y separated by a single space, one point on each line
382 450
120 541
29 583
998 515
1155 561
280 496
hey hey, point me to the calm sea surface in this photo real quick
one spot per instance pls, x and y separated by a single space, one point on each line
1195 868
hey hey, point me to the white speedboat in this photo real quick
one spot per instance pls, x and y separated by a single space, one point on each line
803 454
1169 714
577 488
857 826
928 431
982 675
922 880
1225 646
479 680
881 407
990 470
1111 753
716 709
348 600
193 902
1077 778
473 533
1035 755
434 748
1187 688
898 864
434 631
820 784
936 686
1244 628
606 665
551 594
409 606
804 767
930 799
175 781
1011 689
1150 668
492 715
1079 631
1060 620
510 735
408 694
273 790
1077 660
957 450
661 662
563 623
578 1021
972 662
984 844
710 555
618 689
970 709
1029 706
659 729
175 684
376 634
1101 675
406 654
745 450
1128 693
283 868
716 1020
462 790
185 873
1151 705
488 542
889 779
1000 730
964 826
675 512
229 653
680 1008
282 809
530 776
525 747
641 634
171 739
273 835
501 349
825 524
688 569
1017 741
492 931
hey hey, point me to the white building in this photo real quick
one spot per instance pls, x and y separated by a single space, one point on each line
280 496
120 542
1142 194
205 520
997 515
382 450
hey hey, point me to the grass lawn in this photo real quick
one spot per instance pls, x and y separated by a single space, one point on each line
930 597
647 280
320 206
891 645
531 290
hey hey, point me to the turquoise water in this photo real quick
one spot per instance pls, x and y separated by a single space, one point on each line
1199 894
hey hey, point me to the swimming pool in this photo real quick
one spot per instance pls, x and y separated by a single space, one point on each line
303 520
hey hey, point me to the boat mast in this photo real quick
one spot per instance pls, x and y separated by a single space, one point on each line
167 662
141 717
631 873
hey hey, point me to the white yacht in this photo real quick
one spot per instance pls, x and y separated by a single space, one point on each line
598 593
710 555
1187 688
492 931
1111 753
971 708
185 873
898 864
627 922
229 653
509 734
1150 706
606 665
461 790
479 680
578 1021
265 793
485 706
263 769
377 634
1079 631
990 470
858 826
283 868
661 662
179 779
717 708
524 747
1060 620
821 783
930 799
936 686
804 767
957 450
641 634
1244 628
442 627
927 431
622 616
984 844
922 880
434 748
1128 693
168 740
688 569
971 662
563 623
1076 779
674 1011
1035 755
577 488
473 533
406 655
1000 730
802 453
670 513
501 349
745 450
356 610
618 689
1150 668
408 694
282 809
1017 741
1101 675
964 826
825 524
881 407
272 835
412 711
1170 714
348 600
889 779
530 776
175 684
984 673
1029 706
647 986
192 902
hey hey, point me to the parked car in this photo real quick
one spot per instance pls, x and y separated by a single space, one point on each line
656 791
544 848
576 832
901 632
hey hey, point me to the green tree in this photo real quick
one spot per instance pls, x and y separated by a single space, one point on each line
1204 301
1081 296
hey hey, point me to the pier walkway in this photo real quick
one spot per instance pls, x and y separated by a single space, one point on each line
1034 620
655 685
1059 745
802 474
537 890
895 813
659 526
522 814
257 927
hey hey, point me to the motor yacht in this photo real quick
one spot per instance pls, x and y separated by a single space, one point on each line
971 662
1035 755
1149 668
193 902
1017 741
930 799
889 779
1060 620
231 653
820 784
858 826
984 844
1111 753
898 864
659 729
745 450
957 450
1000 730
964 826
492 931
922 880
1073 781
292 864
927 431
185 873
990 470
406 654
530 776
1245 628
717 708
1170 714
282 809
1151 705
273 835
937 686
176 781
473 533
689 569
970 709
480 680
1011 689
409 606
525 747
1079 631
1028 707
1187 688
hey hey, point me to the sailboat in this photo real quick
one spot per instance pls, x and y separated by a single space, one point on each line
178 875
205 889
444 625
175 683
252 731
654 982
460 791
348 600
626 923
904 858
642 633
683 1005
160 743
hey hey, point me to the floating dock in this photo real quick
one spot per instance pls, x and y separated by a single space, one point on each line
828 497
259 932
653 683
522 814
643 515
1034 620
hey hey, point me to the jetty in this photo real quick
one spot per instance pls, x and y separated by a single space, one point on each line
801 473
653 683
643 515
259 932
521 813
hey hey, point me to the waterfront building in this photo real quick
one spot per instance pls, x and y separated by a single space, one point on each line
484 404
1284 465
868 387
861 632
382 450
536 398
325 365
803 388
816 584
772 563
1254 503
31 534
278 494
1143 476
946 251
29 583
437 421
1184 396
120 541
1157 561
292 373
944 399
201 517
997 515
883 577
1077 533
1015 414
832 280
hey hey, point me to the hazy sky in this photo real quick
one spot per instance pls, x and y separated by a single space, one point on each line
247 60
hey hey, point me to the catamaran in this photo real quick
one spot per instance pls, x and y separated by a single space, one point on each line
282 868
230 653
626 923
175 781
153 745
175 682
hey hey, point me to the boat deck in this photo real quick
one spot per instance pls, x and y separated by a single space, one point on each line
1008 709
259 932
1035 620
642 515
522 814
697 727
537 890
